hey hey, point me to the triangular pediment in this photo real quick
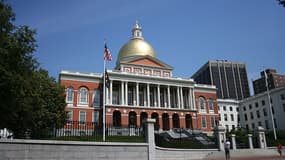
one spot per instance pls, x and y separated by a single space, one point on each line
146 61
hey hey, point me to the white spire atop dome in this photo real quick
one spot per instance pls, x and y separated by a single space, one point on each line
137 31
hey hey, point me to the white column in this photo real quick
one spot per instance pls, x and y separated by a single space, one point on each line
138 92
193 100
165 98
148 98
190 99
155 97
134 96
178 97
181 94
158 96
126 93
111 92
168 96
122 93
144 97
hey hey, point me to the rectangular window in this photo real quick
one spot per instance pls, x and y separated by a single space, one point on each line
225 108
263 102
257 114
273 112
204 123
245 117
219 117
244 108
231 108
96 98
95 117
259 124
265 112
232 117
233 127
69 116
283 107
82 117
266 124
252 126
256 104
250 106
225 117
251 115
213 123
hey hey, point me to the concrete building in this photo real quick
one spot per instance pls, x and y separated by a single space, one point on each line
274 80
255 111
228 113
229 77
141 86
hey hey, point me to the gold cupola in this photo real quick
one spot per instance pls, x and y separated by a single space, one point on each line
137 46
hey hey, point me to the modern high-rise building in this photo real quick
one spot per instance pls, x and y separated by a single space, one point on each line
229 77
141 86
274 80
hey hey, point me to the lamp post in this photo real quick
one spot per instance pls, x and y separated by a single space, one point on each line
270 105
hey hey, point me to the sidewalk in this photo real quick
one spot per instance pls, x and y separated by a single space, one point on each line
252 158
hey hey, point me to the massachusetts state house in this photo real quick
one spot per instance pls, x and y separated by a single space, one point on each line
141 86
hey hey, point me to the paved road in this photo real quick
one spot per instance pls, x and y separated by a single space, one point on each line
253 158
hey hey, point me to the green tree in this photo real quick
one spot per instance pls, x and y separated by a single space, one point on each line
282 2
30 100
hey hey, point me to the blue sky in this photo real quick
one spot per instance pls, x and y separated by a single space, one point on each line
184 33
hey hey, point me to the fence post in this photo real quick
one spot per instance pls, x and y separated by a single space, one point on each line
250 141
261 137
221 136
150 137
233 136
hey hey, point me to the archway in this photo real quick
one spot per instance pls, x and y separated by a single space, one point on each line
117 119
156 117
175 120
142 117
165 121
132 119
188 121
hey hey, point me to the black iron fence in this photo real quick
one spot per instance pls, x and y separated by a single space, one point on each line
89 131
185 138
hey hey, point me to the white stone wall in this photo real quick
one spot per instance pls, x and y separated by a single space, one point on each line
262 100
228 107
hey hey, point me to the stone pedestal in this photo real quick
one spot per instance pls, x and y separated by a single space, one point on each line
150 137
221 136
261 137
233 136
250 141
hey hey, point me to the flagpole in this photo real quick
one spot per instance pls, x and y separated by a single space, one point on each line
104 98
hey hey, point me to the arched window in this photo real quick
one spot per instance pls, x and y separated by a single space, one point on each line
202 104
83 96
69 95
211 105
96 98
117 119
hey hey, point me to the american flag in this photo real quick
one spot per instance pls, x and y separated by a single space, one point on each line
107 54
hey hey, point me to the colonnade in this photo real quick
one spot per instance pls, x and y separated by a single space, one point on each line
139 94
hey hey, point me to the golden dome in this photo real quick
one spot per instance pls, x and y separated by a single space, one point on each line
137 46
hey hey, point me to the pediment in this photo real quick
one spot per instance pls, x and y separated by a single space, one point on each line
147 62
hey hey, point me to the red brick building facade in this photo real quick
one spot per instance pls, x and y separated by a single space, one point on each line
141 86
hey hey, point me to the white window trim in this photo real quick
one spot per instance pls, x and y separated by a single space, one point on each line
71 118
202 121
69 103
93 96
83 104
80 117
93 116
200 109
